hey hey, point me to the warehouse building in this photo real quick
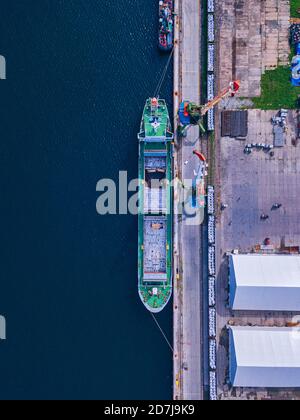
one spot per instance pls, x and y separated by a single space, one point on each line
265 283
264 357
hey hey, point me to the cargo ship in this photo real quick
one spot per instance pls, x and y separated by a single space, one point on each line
155 253
166 25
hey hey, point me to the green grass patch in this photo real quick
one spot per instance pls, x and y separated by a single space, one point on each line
277 90
295 6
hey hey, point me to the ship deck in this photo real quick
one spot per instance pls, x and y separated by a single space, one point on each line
161 117
155 246
155 217
155 198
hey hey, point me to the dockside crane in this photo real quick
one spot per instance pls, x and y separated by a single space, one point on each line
193 114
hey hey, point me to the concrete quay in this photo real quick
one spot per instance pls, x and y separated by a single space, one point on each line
187 235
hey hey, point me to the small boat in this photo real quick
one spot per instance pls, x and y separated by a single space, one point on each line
166 25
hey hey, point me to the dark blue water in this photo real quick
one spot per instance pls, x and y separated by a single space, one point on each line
78 74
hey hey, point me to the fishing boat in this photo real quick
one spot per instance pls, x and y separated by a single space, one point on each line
166 25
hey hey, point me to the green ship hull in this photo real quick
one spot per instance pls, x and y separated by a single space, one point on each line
155 252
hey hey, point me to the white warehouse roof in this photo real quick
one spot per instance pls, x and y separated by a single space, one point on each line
265 282
264 357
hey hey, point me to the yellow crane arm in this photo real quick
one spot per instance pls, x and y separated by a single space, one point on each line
232 89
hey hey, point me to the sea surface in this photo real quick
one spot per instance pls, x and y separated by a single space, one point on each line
78 74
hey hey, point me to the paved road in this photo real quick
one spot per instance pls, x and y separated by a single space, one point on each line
250 187
190 346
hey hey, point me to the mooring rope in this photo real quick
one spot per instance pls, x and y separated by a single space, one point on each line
162 332
163 76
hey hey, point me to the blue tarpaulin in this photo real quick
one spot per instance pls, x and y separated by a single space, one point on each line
296 69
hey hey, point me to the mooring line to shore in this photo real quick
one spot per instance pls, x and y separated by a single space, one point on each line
164 74
162 332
